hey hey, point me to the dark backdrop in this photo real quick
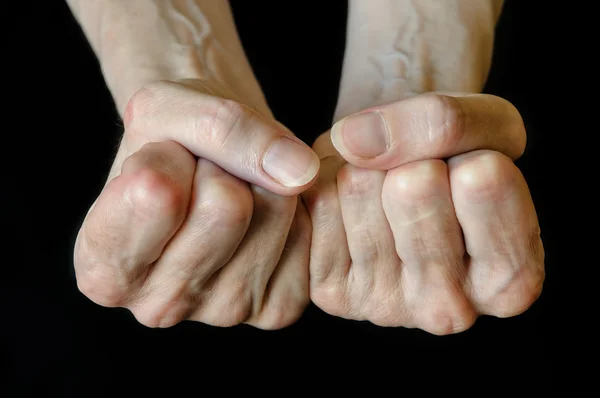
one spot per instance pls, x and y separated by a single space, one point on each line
57 152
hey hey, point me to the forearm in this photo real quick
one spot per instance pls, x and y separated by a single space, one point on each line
138 42
399 48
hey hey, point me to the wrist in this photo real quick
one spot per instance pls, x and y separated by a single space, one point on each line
140 42
135 64
397 49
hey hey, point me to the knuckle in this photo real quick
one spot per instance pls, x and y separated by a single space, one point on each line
219 121
98 281
447 317
142 102
279 320
153 194
355 181
387 310
224 302
227 202
386 320
282 312
512 284
443 324
417 180
517 293
446 121
332 299
483 177
231 306
100 287
442 308
135 106
154 317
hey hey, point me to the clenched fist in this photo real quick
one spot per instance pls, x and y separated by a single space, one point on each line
199 218
421 219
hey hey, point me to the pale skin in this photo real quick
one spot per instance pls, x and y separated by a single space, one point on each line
215 212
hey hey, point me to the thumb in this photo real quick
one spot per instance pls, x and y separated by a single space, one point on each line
429 126
230 134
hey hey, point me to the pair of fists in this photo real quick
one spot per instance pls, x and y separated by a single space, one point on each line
417 218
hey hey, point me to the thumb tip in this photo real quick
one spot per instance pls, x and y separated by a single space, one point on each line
356 146
292 164
363 140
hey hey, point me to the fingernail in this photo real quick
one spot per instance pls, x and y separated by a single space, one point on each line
364 135
290 163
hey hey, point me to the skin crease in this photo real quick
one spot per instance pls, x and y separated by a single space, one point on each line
394 253
440 228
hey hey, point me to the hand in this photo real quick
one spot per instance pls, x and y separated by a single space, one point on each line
199 218
404 238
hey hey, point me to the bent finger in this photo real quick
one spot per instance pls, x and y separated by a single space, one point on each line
501 232
219 214
418 205
132 220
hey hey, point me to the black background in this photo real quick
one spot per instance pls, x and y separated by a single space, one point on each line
59 147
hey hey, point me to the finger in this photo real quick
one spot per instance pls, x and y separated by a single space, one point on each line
287 293
231 135
501 231
237 291
219 215
430 126
329 253
131 222
418 205
375 264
